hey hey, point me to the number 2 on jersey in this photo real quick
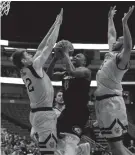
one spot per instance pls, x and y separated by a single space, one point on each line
29 85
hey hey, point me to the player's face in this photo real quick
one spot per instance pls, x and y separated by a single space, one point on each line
78 60
27 59
59 98
118 45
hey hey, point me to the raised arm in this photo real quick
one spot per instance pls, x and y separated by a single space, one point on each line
112 35
50 69
44 41
41 59
127 47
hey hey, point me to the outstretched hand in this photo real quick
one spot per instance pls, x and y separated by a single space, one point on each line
59 17
127 15
112 12
58 54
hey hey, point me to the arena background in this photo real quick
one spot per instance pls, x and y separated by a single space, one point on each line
85 25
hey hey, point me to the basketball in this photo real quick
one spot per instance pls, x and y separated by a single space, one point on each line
65 44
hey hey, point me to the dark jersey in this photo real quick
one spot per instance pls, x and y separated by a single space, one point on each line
75 92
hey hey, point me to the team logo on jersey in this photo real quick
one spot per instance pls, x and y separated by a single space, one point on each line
77 130
117 130
66 84
52 144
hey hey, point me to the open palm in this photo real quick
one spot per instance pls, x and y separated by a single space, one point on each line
127 15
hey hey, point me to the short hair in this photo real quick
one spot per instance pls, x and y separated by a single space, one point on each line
17 57
59 91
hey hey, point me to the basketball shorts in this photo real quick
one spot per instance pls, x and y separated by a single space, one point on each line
112 117
44 123
72 122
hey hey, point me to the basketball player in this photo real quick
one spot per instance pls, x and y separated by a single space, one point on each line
59 105
75 83
109 105
39 89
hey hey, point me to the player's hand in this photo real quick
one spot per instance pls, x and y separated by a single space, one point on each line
58 54
127 15
65 46
112 12
59 17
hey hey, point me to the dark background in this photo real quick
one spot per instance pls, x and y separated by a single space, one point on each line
83 22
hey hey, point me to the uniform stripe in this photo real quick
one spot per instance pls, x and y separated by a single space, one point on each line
33 72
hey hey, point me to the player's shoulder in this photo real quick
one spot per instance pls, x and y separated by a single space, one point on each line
23 72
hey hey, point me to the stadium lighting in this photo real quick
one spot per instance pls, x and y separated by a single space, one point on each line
9 48
4 42
31 49
9 80
100 47
91 46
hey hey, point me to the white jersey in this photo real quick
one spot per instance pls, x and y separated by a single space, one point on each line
40 90
109 76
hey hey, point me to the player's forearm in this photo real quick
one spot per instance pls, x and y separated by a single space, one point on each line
50 69
69 66
53 37
51 42
43 43
111 28
41 59
127 38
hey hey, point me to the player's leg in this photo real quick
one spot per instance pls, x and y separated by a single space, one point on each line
127 150
46 126
86 135
117 148
83 149
70 141
114 118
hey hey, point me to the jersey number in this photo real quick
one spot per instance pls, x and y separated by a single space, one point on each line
66 84
29 86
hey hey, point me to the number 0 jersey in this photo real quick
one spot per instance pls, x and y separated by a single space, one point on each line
40 90
109 76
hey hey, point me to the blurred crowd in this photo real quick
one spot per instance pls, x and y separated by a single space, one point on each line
8 71
14 144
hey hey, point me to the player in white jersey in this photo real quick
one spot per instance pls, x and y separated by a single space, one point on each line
109 105
39 88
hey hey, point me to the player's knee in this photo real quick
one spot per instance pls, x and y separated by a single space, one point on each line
47 145
116 145
71 139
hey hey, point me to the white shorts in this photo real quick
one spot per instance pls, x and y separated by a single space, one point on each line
112 117
44 123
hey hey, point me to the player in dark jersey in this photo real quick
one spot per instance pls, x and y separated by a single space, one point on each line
76 84
40 90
